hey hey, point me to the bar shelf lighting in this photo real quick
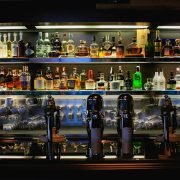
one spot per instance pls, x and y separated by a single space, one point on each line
12 27
168 27
93 27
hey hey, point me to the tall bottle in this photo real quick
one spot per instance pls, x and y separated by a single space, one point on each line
2 78
156 81
128 82
94 48
40 46
21 46
25 79
63 78
9 46
64 45
49 79
107 47
15 46
101 49
161 81
113 54
9 79
120 78
171 83
119 47
1 46
83 78
70 46
47 45
56 80
137 79
5 52
157 45
177 78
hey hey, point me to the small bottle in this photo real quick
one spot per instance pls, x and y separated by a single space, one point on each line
156 81
9 47
137 79
49 79
119 47
56 80
94 48
148 85
21 46
14 46
167 49
161 81
114 85
128 82
120 78
157 45
176 48
82 50
101 84
83 78
90 83
171 83
177 78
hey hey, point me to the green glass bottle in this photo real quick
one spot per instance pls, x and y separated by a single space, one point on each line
137 79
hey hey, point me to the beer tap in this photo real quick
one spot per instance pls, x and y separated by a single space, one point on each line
168 115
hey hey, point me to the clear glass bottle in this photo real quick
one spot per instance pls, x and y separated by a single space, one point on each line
90 83
119 47
120 78
161 81
14 46
5 52
47 45
9 47
137 79
21 46
1 46
101 84
107 47
156 81
94 48
56 80
70 46
177 78
133 49
40 46
114 85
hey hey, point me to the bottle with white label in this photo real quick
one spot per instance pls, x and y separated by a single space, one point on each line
156 81
14 46
5 53
161 81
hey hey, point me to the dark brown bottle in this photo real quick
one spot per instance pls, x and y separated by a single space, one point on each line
21 46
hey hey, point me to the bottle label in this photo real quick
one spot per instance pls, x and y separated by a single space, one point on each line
70 48
157 46
49 84
56 83
126 140
96 145
14 50
39 84
114 85
166 52
71 83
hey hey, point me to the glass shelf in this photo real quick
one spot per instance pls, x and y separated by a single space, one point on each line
86 92
86 60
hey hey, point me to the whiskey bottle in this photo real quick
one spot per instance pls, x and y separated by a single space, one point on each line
177 78
21 46
64 45
94 48
70 46
75 75
39 81
149 46
47 45
15 79
40 46
167 49
49 79
177 48
14 46
56 80
90 83
113 54
110 77
119 47
63 79
137 79
82 49
1 47
171 83
101 84
83 78
2 78
9 43
9 79
120 78
107 47
128 82
101 49
157 45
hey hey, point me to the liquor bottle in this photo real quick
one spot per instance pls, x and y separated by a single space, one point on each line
113 54
40 46
18 82
75 76
120 78
5 53
56 46
15 78
63 79
171 83
101 84
101 49
56 80
71 82
9 46
156 81
177 78
167 49
21 46
161 81
82 49
14 46
177 47
9 79
110 77
39 81
157 45
47 45
149 46
70 46
29 50
64 45
94 48
107 47
25 79
90 83
49 79
137 79
83 78
1 47
114 84
128 82
2 78
119 47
